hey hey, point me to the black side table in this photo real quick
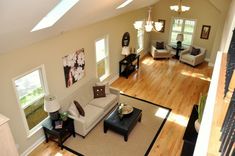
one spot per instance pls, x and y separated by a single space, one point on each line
178 49
59 135
190 134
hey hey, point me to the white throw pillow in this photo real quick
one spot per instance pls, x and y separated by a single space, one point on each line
73 110
106 84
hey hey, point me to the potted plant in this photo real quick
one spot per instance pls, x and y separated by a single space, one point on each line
201 106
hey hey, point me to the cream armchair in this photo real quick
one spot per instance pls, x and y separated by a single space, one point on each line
186 57
160 53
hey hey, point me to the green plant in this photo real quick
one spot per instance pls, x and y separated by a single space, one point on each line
201 106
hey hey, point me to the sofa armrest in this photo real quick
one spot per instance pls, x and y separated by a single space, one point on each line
114 90
79 125
200 58
153 49
183 52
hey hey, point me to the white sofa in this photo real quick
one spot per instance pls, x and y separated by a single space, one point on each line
95 109
186 57
160 53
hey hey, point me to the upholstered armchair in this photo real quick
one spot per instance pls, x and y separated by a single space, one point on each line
160 50
194 55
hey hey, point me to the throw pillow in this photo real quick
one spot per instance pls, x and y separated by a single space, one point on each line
106 84
73 111
160 45
79 108
99 91
195 51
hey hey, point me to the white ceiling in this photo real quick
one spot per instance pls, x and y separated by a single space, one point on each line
18 17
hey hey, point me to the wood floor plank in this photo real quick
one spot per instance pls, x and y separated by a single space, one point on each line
168 83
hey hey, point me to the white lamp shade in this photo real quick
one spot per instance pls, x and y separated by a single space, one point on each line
149 26
138 24
180 37
125 50
51 104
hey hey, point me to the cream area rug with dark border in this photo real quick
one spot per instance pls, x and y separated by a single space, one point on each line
140 140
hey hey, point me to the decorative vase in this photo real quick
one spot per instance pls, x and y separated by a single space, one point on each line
197 125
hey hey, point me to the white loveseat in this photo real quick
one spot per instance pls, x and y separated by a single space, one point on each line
95 109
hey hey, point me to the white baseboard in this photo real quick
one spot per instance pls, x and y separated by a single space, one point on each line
210 64
31 148
113 79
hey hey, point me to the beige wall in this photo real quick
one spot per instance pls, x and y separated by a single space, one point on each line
228 28
50 52
203 11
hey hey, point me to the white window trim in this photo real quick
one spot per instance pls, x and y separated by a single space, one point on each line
107 68
193 33
43 80
140 49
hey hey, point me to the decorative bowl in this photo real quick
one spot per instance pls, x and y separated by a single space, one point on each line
127 109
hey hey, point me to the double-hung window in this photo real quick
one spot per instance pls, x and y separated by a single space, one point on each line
102 58
30 90
140 40
185 27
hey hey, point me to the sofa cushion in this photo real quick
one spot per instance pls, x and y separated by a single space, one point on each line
104 102
106 84
195 51
79 108
159 45
92 114
73 110
188 57
99 91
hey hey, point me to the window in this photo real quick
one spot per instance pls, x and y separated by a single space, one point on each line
102 59
185 27
140 40
30 90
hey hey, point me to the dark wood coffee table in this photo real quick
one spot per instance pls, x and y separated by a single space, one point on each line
122 125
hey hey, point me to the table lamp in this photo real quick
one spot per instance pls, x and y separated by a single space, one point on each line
125 51
179 39
52 106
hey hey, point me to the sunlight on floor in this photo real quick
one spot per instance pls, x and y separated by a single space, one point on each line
148 61
196 75
178 119
161 112
58 154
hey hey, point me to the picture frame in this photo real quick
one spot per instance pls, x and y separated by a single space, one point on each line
74 67
163 22
205 32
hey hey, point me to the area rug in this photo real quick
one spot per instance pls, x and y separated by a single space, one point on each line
140 140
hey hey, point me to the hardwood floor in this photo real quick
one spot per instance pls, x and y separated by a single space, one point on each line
168 83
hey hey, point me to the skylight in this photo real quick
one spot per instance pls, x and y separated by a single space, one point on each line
124 4
55 14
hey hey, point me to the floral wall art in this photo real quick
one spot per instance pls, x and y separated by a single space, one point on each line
74 67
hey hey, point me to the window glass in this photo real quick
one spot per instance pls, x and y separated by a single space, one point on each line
31 91
185 27
100 50
140 40
102 60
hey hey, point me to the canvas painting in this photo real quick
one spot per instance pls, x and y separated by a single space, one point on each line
74 67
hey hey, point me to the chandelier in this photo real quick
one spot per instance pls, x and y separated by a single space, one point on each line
179 8
149 24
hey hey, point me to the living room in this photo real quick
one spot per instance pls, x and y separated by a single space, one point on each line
48 52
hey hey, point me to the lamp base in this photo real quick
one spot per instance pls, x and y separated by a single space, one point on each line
54 115
179 44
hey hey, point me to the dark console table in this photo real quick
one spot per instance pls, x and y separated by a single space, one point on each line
190 134
177 49
126 66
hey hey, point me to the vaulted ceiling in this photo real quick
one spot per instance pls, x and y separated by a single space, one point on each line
18 17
